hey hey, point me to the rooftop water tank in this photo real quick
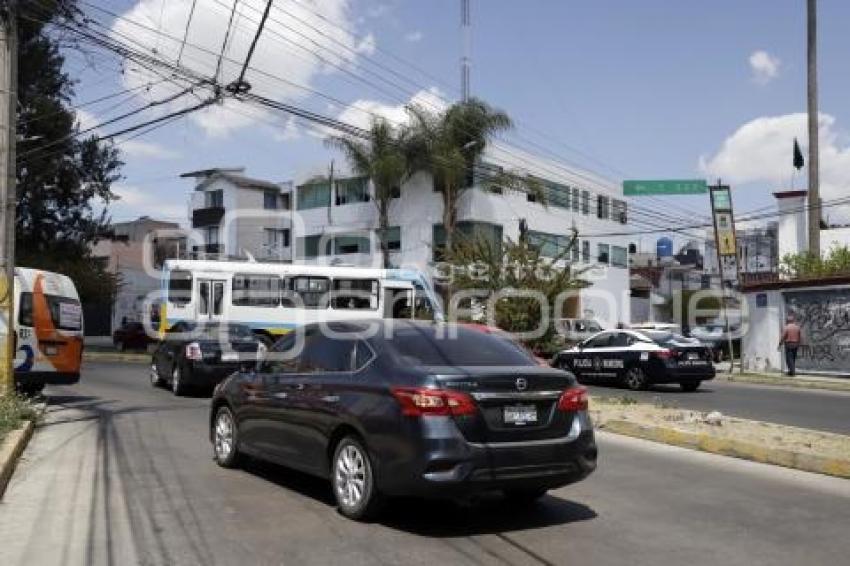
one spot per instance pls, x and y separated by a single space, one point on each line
664 247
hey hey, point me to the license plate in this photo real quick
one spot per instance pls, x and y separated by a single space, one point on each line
229 356
520 414
693 356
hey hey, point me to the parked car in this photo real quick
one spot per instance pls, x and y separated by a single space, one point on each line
200 356
407 410
639 358
713 334
131 335
660 326
574 330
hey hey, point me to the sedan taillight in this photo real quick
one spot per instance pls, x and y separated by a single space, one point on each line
193 351
573 399
421 401
665 354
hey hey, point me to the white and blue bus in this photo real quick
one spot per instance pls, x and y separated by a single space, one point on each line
274 298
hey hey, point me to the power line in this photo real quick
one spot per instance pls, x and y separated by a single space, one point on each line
186 33
239 85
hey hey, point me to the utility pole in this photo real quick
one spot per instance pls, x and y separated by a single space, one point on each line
8 109
812 96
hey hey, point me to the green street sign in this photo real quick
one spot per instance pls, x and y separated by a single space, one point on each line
664 187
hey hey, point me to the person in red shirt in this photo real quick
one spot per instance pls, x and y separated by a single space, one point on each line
791 336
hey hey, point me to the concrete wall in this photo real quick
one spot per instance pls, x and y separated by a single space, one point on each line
758 345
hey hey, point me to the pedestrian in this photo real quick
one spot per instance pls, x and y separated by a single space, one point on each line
791 340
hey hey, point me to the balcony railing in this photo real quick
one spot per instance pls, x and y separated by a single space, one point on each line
210 216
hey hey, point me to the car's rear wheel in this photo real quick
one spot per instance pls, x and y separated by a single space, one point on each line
225 439
635 379
178 384
354 480
690 386
524 496
156 380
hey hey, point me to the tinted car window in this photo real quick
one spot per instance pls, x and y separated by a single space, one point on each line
663 338
619 339
325 354
420 346
280 358
362 356
600 341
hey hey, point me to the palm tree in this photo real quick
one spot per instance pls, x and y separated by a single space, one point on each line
448 146
380 158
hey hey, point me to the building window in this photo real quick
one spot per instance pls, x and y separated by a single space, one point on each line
286 201
277 238
214 199
255 290
211 235
557 195
350 245
575 199
467 231
619 256
395 192
270 200
602 251
355 294
620 211
585 202
575 251
393 238
602 207
350 191
550 245
315 195
585 251
308 246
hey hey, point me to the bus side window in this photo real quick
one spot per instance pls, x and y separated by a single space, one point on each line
25 310
180 287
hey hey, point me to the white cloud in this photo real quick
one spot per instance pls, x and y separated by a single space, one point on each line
360 113
277 53
135 201
765 67
413 36
288 132
761 151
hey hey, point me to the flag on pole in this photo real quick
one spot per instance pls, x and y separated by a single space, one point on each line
798 156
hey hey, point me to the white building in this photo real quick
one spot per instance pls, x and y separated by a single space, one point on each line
336 224
233 215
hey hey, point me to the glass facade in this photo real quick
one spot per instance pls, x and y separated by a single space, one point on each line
550 245
467 231
353 190
316 195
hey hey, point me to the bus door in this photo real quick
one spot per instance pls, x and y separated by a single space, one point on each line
210 299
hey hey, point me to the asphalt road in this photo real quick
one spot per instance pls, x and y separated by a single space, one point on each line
806 408
121 473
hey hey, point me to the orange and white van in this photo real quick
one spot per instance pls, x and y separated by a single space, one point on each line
48 329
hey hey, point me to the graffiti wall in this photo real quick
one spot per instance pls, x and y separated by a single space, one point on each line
824 316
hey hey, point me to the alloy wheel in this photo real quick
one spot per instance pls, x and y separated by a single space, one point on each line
635 379
350 476
223 443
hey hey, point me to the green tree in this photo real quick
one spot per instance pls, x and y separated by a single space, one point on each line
449 145
61 179
835 261
381 159
516 265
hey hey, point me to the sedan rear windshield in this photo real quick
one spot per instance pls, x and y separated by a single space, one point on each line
422 346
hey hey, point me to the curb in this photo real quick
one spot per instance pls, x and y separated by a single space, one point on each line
786 382
730 447
11 449
116 357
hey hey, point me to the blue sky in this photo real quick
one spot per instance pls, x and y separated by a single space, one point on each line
649 89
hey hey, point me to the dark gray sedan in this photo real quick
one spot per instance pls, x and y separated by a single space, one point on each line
390 408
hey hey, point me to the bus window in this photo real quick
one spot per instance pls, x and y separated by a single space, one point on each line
25 310
355 294
180 287
312 290
218 296
256 290
423 309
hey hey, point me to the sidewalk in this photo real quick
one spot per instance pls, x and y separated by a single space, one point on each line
803 381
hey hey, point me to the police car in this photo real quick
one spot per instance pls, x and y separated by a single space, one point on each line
639 358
